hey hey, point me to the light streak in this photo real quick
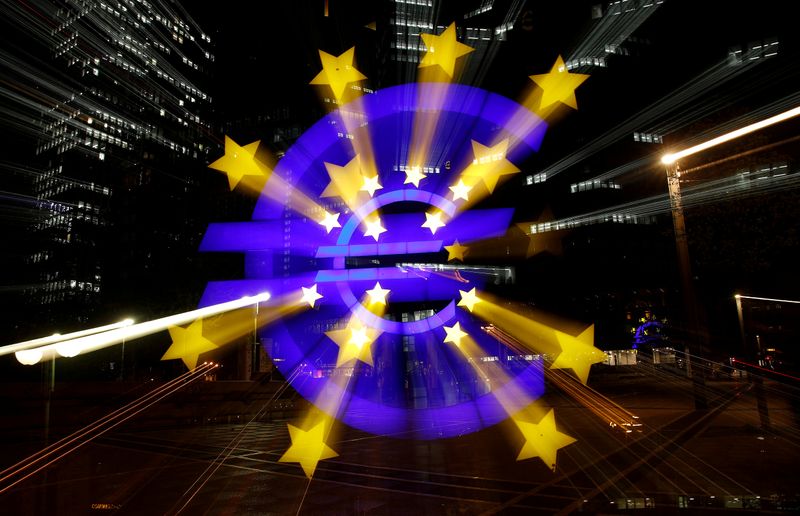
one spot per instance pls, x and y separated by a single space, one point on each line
52 339
112 337
767 299
98 428
771 371
668 159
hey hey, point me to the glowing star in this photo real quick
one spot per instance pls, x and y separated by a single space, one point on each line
578 353
454 334
330 221
443 50
456 251
378 294
308 448
542 439
559 85
370 185
374 229
490 163
460 190
188 344
468 299
338 72
346 181
414 175
354 341
433 221
310 295
239 162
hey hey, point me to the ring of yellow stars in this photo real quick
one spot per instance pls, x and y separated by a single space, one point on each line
433 221
354 341
188 344
559 85
337 72
308 448
443 50
490 163
310 295
469 299
239 161
456 251
370 185
378 294
346 181
454 334
578 353
414 175
374 229
542 439
330 221
460 190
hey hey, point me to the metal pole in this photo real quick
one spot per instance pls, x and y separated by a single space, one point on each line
684 268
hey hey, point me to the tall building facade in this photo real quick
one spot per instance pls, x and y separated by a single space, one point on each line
116 95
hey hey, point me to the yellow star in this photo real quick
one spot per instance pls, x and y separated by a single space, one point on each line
239 162
468 299
559 85
188 344
414 175
433 221
338 72
454 334
330 221
378 294
354 341
456 251
370 185
460 190
490 163
308 448
310 295
578 353
345 182
374 229
542 439
443 50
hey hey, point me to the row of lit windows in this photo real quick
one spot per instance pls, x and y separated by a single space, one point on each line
595 184
647 138
619 218
425 170
761 49
536 178
586 61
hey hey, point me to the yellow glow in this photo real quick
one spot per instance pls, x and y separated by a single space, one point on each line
370 185
68 349
374 229
542 439
330 221
338 72
354 342
460 190
310 295
456 251
414 175
469 299
669 159
443 50
239 162
433 221
490 163
308 448
378 294
188 344
559 85
454 334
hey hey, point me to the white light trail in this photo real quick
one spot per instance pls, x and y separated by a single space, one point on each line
52 339
669 159
109 338
739 296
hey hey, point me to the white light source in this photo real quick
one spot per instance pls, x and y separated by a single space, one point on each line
28 356
67 349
